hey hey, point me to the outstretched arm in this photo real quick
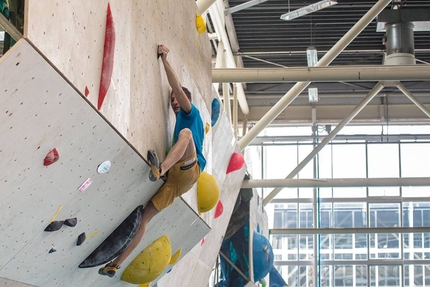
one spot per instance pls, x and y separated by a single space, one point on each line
174 83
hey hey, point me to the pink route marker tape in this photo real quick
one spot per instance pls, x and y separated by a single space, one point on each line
85 185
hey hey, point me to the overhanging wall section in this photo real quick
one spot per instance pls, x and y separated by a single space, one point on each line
39 111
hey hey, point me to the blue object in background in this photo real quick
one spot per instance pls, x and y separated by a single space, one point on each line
263 257
216 109
276 279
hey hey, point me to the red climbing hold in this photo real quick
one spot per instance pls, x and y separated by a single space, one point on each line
203 241
236 162
219 209
51 157
108 56
87 92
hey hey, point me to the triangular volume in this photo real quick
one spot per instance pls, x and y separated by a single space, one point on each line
116 242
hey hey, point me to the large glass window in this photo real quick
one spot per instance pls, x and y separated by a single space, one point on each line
355 257
349 161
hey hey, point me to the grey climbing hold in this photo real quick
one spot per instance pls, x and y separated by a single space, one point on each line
54 225
81 238
71 222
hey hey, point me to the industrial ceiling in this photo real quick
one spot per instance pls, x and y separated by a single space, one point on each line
260 39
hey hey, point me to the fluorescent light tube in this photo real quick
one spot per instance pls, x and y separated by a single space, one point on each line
307 9
312 56
313 95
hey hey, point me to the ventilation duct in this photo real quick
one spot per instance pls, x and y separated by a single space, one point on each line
400 44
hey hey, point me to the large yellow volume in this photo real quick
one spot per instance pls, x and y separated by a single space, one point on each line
150 263
207 192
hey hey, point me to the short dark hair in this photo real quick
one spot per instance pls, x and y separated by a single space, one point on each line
186 91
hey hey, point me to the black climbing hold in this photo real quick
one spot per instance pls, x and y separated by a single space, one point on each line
54 225
71 222
81 238
52 250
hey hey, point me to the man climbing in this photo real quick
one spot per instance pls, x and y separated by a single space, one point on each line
182 165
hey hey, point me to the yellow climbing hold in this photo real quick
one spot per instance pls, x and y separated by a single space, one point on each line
175 257
200 24
207 128
207 192
150 263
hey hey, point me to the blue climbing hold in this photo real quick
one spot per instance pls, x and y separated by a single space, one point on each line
216 109
263 256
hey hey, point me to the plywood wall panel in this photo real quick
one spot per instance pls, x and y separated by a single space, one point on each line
7 282
40 110
71 35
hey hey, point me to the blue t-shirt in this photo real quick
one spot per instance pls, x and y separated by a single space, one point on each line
192 121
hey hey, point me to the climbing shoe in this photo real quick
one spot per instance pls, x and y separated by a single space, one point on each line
154 174
109 270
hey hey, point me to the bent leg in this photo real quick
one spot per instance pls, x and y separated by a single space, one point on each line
149 211
182 149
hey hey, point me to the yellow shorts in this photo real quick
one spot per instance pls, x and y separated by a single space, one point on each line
181 178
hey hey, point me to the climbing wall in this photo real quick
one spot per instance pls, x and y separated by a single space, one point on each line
40 111
136 113
71 35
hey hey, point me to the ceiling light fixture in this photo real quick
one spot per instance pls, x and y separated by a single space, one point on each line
307 9
312 57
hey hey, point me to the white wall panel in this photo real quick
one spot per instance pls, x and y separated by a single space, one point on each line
40 110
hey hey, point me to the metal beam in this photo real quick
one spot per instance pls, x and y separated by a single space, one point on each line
373 262
203 5
360 200
336 182
243 6
234 266
378 87
372 114
219 24
325 61
370 230
369 138
10 28
413 99
323 74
